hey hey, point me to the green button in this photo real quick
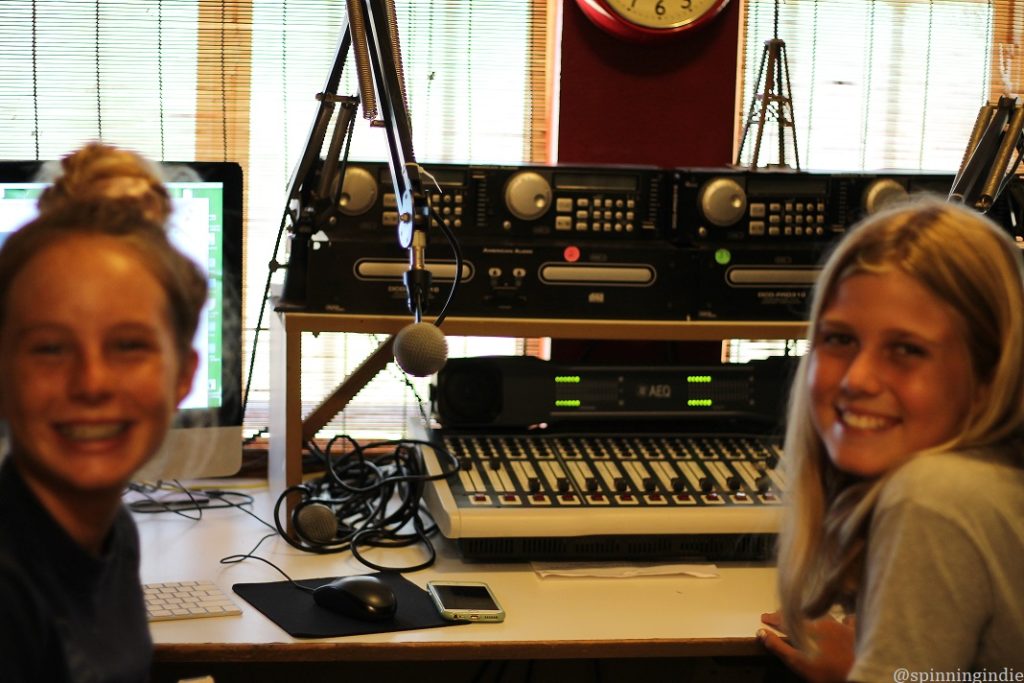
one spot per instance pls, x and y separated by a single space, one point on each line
722 257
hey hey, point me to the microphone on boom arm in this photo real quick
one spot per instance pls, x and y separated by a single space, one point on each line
420 348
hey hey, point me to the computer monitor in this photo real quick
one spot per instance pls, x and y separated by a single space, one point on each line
206 437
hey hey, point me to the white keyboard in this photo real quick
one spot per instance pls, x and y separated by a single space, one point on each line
187 600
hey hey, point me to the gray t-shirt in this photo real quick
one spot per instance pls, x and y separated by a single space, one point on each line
944 587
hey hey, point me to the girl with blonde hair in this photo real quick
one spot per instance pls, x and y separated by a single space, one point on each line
905 455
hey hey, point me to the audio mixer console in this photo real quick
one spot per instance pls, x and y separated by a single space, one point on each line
559 496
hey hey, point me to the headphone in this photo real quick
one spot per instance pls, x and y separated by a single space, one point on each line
365 500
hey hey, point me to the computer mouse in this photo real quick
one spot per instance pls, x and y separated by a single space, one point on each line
363 597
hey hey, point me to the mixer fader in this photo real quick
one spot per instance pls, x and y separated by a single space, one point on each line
545 495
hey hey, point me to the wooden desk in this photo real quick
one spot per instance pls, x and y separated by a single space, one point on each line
289 430
548 618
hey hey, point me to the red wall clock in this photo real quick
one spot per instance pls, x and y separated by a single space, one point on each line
641 20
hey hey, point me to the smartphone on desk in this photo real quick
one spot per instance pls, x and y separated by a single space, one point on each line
465 601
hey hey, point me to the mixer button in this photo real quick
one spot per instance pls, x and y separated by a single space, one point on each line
592 486
563 485
533 485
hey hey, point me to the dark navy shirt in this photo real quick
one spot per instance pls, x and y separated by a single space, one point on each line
66 615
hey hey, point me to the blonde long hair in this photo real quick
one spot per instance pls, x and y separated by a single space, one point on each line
974 266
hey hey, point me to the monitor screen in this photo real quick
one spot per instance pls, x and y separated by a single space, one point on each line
206 224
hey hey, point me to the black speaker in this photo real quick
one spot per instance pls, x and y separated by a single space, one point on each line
493 390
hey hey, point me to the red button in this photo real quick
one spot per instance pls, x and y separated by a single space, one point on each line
571 254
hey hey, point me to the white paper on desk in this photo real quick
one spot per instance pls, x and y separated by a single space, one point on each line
606 570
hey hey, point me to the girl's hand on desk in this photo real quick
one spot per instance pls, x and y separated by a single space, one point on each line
834 657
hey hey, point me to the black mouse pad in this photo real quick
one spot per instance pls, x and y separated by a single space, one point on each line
294 610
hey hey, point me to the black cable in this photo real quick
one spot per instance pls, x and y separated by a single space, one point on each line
360 491
263 306
453 242
241 557
215 499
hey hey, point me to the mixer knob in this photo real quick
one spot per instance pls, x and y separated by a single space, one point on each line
621 485
881 193
707 484
763 484
650 485
358 191
494 463
465 464
528 195
733 483
678 485
533 485
723 202
563 485
592 485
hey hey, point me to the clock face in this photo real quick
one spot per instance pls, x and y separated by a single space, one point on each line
662 14
645 19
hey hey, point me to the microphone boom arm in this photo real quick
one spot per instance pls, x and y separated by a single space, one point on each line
372 34
988 164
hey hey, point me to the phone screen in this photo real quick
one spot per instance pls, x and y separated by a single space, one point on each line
464 597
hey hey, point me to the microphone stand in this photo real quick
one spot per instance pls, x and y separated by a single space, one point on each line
986 168
316 185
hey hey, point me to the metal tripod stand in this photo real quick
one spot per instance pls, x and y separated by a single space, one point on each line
774 103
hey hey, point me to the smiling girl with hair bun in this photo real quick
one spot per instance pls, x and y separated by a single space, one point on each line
97 313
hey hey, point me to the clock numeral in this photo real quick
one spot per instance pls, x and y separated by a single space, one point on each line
659 6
